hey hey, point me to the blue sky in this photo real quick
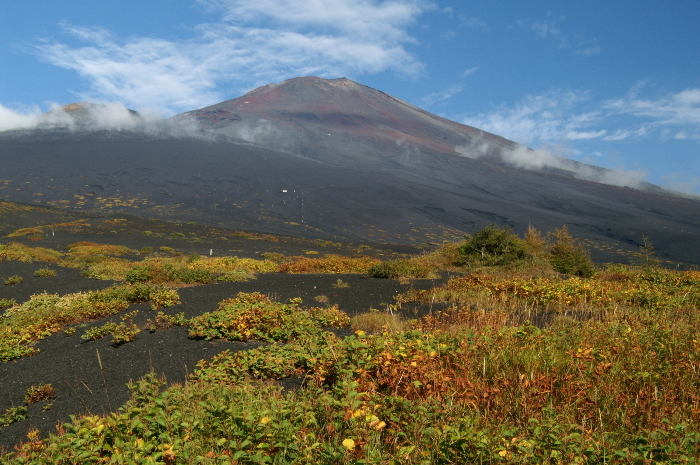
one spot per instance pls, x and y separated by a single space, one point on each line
615 83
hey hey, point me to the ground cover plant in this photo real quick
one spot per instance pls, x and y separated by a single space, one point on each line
46 314
523 363
256 316
329 264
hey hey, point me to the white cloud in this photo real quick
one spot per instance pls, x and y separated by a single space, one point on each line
469 71
11 119
368 19
550 29
555 157
541 119
86 116
437 97
255 42
557 117
681 108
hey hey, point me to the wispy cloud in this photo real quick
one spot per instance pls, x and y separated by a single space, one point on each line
676 115
469 71
253 43
541 119
550 28
440 96
565 119
557 117
472 22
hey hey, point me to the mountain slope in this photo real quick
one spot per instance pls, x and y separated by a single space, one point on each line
336 160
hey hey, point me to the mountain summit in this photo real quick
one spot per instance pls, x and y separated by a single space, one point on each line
337 160
336 115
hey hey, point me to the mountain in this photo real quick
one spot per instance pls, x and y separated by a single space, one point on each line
337 160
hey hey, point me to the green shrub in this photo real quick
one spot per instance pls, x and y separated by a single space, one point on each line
45 273
6 303
493 246
340 284
13 415
189 276
12 280
98 332
162 297
123 333
255 316
138 274
568 256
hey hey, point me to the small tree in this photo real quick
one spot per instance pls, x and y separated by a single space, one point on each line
568 256
646 255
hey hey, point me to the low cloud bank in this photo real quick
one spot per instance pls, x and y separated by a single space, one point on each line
94 117
523 157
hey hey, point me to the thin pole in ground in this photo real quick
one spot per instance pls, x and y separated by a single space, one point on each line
104 381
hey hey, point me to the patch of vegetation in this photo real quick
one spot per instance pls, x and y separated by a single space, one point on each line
568 256
82 249
6 303
340 284
13 415
256 316
375 321
608 374
394 269
45 273
46 314
12 280
36 394
329 264
23 253
493 246
98 332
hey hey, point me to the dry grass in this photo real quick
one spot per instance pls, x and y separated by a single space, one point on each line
378 322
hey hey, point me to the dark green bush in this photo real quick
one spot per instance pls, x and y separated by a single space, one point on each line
138 274
187 276
493 246
568 256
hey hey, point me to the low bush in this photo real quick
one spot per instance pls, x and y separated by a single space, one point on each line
493 246
99 332
255 316
393 269
36 394
13 415
12 280
45 273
